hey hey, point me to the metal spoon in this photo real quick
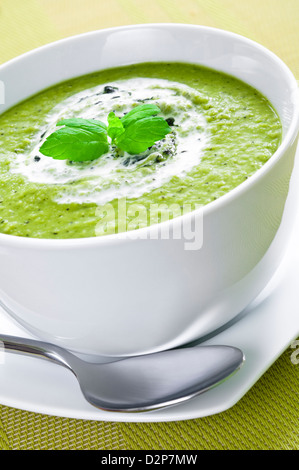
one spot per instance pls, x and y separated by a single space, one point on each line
140 383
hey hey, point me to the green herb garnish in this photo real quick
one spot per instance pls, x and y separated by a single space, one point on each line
79 140
87 139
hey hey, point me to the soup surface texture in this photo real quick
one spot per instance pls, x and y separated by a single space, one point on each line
222 132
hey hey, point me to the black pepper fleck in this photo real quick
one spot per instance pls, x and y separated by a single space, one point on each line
170 121
109 89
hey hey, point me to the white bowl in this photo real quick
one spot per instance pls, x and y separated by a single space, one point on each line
118 294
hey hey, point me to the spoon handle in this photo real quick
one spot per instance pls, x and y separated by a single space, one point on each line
36 348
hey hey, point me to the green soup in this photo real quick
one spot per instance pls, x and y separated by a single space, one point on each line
223 131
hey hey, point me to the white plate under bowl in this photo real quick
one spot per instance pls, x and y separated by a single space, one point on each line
263 331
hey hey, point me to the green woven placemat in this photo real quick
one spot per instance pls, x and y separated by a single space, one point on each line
267 417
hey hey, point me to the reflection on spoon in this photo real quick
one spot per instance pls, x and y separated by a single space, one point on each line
140 383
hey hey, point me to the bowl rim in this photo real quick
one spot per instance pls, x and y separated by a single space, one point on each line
124 237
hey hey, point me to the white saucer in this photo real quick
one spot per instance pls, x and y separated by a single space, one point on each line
264 331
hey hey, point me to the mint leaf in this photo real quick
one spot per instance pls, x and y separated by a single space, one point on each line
115 127
140 112
88 124
143 133
80 140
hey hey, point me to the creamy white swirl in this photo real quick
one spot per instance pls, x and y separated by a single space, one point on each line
118 174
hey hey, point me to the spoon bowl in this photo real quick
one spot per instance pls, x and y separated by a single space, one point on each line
140 383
